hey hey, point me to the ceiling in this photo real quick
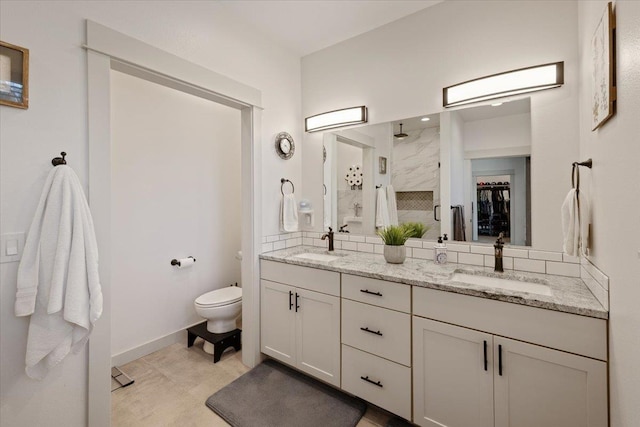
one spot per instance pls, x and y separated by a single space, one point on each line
306 26
484 112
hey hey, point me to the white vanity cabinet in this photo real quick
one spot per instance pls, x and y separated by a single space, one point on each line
300 318
463 376
376 342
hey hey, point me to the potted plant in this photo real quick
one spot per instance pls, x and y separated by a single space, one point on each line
415 229
394 238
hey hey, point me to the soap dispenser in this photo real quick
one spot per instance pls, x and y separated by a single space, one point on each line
440 252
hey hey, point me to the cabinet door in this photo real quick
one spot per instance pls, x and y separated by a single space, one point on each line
277 317
452 377
538 386
318 335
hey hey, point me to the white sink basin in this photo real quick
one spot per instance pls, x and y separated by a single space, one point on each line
499 283
317 257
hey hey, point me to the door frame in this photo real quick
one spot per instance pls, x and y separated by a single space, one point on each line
110 50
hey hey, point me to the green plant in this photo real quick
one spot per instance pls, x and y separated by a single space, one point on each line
415 229
394 235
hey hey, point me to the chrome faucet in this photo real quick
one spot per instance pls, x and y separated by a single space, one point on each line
330 236
498 254
356 207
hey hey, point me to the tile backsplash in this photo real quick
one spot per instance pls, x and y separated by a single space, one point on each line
518 259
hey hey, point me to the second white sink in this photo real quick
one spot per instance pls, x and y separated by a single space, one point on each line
317 257
499 283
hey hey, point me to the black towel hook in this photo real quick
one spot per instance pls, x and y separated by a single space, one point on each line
575 173
282 182
57 161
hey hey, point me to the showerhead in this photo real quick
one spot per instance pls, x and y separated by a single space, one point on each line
401 134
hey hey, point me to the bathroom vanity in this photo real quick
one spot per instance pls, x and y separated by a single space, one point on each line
450 345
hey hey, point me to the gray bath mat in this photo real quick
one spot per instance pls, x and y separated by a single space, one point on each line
273 395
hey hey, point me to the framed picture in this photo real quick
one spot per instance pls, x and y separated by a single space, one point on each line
382 165
603 86
14 75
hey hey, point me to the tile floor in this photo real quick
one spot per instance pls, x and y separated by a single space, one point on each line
172 384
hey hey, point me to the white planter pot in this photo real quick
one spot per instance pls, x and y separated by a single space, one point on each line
395 254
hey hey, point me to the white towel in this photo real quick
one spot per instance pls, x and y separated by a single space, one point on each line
382 209
289 213
393 208
575 223
58 282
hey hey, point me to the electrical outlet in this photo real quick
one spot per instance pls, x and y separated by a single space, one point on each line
11 247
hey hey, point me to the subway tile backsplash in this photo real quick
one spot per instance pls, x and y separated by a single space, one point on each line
529 260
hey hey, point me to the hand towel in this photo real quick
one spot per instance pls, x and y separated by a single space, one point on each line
289 213
382 209
393 208
575 223
58 283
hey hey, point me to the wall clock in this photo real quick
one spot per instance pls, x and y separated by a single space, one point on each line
285 145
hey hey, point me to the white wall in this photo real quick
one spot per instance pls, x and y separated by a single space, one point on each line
399 70
176 193
57 120
497 133
612 185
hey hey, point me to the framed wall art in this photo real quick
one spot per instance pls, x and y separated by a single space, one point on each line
603 85
14 75
382 165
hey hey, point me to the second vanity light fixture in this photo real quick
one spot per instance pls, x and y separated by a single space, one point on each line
515 82
337 118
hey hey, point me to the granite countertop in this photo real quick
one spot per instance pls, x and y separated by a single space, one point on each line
568 294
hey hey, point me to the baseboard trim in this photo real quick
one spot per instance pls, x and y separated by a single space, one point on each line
151 346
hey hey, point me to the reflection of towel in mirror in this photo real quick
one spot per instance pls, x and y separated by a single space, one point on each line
382 209
575 223
458 224
289 213
58 283
393 208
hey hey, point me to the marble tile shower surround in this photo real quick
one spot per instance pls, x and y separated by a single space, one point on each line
568 294
411 169
516 259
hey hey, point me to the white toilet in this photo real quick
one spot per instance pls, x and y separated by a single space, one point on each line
221 308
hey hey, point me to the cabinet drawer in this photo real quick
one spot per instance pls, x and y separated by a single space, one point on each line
394 390
582 335
376 330
395 296
314 279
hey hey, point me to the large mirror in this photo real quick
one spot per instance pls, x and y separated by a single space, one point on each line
464 172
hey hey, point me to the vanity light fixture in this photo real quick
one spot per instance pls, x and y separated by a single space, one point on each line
337 118
523 80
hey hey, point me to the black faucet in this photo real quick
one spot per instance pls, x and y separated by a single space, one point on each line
342 229
498 254
330 236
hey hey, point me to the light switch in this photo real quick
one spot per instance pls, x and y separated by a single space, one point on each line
11 247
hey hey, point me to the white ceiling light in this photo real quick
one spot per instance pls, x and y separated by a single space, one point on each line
425 119
496 104
337 118
514 82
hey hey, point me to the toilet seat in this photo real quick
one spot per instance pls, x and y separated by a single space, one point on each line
220 297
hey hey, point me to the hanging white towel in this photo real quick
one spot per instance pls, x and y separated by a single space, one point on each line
289 213
393 208
575 223
382 209
58 282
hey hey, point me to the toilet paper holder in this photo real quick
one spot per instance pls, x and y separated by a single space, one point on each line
177 262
